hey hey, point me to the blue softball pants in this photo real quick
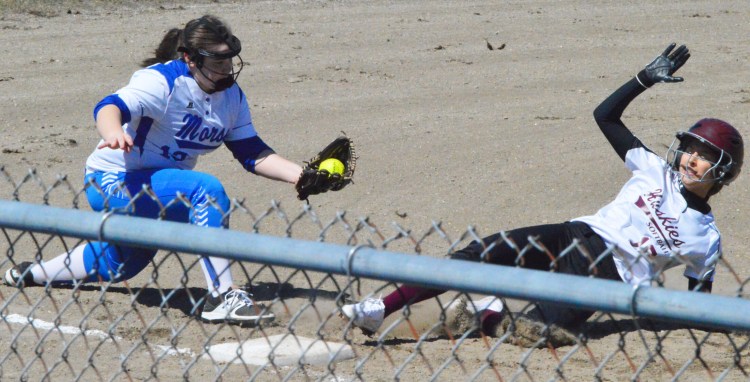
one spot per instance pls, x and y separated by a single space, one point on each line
126 193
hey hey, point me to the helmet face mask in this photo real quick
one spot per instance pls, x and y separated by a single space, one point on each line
199 54
696 150
226 80
717 142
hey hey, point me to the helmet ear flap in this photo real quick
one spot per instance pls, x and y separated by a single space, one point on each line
724 171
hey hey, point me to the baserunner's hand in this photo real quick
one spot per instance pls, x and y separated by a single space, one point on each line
663 66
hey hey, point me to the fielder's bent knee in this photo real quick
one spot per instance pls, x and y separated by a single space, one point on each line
210 185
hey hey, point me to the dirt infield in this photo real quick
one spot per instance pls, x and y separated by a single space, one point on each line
446 128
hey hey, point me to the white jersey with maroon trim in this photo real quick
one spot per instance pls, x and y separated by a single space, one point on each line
652 227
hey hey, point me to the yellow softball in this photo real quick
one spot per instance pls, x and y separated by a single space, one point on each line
333 166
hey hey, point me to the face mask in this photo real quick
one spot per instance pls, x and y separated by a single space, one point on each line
223 84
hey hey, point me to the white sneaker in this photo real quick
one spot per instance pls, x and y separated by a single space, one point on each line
367 314
20 276
235 306
488 303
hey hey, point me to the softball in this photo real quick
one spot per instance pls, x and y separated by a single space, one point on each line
332 165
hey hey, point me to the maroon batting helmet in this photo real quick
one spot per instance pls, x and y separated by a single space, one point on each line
722 137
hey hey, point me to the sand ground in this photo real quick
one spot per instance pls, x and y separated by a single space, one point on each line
447 131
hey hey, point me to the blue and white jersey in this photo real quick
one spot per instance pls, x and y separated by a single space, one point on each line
172 121
652 227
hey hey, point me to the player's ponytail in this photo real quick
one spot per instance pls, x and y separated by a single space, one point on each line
167 49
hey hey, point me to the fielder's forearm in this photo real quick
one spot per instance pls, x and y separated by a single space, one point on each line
276 167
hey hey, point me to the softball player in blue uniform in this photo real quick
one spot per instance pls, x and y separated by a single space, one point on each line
184 104
660 218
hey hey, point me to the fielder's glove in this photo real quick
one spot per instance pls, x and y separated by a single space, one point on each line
664 65
314 180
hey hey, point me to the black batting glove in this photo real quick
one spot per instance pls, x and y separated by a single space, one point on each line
663 66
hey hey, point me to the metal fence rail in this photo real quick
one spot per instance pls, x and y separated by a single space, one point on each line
146 328
362 261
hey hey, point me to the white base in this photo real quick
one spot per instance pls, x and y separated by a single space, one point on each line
287 351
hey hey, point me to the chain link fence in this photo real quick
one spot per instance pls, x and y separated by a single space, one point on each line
148 327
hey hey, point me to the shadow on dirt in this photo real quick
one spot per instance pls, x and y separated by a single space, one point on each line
190 300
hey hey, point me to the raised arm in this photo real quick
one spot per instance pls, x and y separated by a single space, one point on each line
608 114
